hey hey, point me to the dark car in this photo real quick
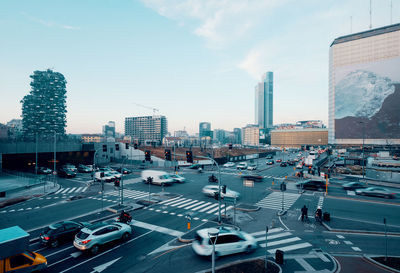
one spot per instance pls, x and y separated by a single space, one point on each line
252 177
124 170
84 169
70 167
270 162
67 173
44 170
311 185
283 164
291 162
376 191
353 186
269 157
194 166
60 232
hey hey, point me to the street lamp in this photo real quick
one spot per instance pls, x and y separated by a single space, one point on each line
213 233
363 162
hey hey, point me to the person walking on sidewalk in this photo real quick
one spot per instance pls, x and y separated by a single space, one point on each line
304 213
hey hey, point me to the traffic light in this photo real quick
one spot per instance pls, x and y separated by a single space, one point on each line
230 146
126 146
283 187
149 180
167 155
147 155
216 195
189 156
224 189
135 146
116 146
104 148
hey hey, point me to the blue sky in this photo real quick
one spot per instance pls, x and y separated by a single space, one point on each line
194 60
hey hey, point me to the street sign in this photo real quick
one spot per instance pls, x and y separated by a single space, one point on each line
231 200
248 183
322 174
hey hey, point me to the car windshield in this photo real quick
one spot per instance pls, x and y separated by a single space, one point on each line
48 230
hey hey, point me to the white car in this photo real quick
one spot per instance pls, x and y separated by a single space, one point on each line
229 165
177 178
241 166
210 190
116 174
106 178
252 167
229 241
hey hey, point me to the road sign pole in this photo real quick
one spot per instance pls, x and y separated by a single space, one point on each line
266 249
384 221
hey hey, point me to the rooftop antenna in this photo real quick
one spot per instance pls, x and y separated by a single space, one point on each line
370 14
351 24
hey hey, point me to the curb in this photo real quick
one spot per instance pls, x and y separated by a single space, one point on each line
336 268
369 259
247 210
365 232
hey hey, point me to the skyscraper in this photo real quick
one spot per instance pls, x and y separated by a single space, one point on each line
151 129
44 108
205 130
264 101
109 129
364 87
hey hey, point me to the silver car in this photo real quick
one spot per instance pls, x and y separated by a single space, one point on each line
93 236
210 190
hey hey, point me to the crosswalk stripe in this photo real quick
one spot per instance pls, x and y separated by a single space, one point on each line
279 235
181 202
199 207
65 190
60 190
227 208
85 189
175 201
209 207
281 242
74 188
291 247
191 202
274 200
215 209
274 230
195 204
168 200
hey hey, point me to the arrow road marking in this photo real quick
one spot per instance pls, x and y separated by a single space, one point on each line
102 267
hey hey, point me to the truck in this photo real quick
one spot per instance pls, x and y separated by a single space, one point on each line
14 253
308 161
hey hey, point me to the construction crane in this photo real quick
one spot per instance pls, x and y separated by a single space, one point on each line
148 107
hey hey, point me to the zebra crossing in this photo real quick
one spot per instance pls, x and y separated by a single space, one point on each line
187 204
277 238
133 194
71 190
274 200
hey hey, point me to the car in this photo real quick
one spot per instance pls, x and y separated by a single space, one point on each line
67 173
241 166
270 162
353 186
160 178
290 162
229 165
283 164
108 177
229 241
299 165
60 232
44 170
90 238
124 171
311 184
376 191
252 167
210 190
105 169
278 160
177 178
269 156
70 167
116 174
83 169
252 177
194 166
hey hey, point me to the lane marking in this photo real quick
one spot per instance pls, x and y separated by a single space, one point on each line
281 242
274 230
160 229
289 248
340 236
305 265
356 248
347 242
196 204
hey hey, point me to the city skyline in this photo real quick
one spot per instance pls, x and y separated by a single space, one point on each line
190 62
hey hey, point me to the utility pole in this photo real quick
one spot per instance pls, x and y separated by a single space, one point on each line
36 157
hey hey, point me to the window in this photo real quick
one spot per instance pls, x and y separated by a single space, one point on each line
101 231
19 260
70 226
112 229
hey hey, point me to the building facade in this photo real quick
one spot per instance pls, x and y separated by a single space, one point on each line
237 136
109 129
147 129
205 130
92 138
364 87
44 108
299 137
264 101
251 135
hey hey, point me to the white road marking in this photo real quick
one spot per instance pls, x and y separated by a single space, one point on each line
181 202
305 265
166 201
274 230
157 228
201 206
340 236
76 254
209 207
356 248
190 203
347 242
281 242
196 204
289 248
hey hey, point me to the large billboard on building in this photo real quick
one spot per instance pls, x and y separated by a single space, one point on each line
367 100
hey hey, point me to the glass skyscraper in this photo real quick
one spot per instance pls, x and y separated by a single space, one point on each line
264 101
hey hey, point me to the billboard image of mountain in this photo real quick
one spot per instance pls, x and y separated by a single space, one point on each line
367 98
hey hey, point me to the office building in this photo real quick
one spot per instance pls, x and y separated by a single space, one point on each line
364 87
44 108
147 130
237 136
299 137
109 129
205 130
264 101
250 135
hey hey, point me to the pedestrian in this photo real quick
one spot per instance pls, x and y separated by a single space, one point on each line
304 212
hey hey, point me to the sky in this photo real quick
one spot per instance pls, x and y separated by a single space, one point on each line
193 60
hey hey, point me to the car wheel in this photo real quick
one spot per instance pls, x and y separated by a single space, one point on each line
125 236
94 250
54 243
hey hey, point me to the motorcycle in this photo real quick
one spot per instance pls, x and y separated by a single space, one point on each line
126 219
212 178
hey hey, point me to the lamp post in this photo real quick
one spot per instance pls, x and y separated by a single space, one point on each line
54 159
213 233
363 162
36 154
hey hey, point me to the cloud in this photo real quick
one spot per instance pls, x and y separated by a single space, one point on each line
219 22
49 24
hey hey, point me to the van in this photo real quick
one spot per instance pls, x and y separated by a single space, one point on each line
15 256
157 177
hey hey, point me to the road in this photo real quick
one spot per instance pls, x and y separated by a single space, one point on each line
153 246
